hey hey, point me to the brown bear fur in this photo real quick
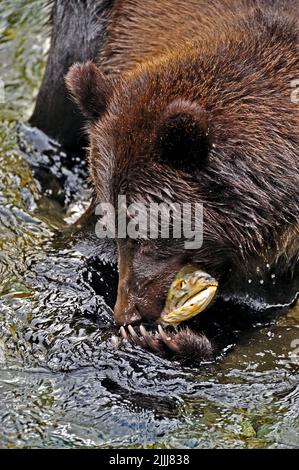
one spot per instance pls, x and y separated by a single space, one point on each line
216 80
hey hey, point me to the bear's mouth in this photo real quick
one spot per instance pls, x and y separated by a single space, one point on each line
190 293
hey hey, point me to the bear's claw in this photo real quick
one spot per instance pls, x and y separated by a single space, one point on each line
183 342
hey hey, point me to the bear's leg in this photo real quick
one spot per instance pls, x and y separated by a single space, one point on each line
78 30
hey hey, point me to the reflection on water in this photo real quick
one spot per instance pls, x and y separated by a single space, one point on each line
62 384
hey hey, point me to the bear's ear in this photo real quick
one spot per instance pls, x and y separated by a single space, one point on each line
89 88
183 135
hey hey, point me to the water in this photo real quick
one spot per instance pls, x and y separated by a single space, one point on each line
62 384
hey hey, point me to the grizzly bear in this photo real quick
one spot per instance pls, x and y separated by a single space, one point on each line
191 102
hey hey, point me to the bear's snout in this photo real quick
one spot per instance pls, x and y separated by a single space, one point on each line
140 301
143 286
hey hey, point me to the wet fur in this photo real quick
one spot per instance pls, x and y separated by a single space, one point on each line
227 69
233 81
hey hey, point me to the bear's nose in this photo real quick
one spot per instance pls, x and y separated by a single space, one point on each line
126 313
127 318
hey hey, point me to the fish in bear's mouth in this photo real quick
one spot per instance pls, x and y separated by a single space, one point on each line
190 293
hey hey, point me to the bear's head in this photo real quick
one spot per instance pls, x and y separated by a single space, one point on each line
219 131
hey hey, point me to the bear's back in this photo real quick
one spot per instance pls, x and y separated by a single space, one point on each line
139 31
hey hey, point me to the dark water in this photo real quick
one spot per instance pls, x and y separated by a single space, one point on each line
61 382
